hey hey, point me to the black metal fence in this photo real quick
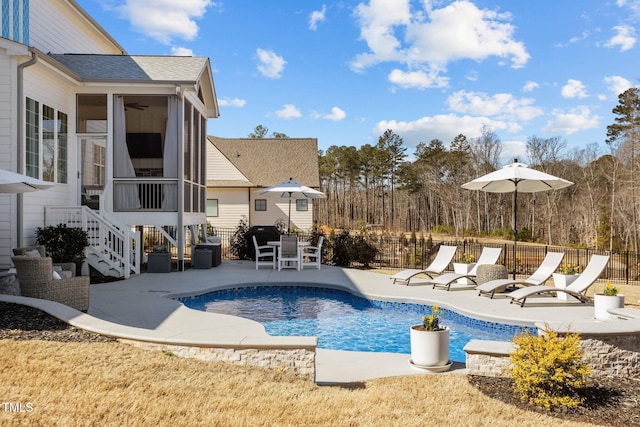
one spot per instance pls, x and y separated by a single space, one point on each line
397 254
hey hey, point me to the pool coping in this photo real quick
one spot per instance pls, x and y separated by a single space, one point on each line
139 309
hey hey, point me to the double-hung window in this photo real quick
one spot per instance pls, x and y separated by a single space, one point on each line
46 142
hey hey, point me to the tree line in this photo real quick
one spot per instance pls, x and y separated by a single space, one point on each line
375 185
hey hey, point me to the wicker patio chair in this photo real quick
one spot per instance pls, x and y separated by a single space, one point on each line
66 266
35 276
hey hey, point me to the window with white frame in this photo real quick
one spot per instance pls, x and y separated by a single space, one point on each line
212 207
46 146
302 205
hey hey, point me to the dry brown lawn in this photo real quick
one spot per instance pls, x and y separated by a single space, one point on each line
113 384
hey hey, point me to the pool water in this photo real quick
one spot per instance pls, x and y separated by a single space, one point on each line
340 320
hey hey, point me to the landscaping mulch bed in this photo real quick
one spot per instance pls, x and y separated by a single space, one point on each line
611 401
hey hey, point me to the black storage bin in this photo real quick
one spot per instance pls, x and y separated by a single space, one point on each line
264 234
201 258
214 248
159 262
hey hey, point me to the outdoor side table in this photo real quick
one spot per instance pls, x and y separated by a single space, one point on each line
489 272
214 248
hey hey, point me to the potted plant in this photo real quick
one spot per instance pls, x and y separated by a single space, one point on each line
566 275
64 244
608 299
430 343
465 263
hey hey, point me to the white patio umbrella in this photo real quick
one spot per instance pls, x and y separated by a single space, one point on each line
291 190
517 178
11 182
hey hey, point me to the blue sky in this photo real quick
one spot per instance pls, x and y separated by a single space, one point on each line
346 71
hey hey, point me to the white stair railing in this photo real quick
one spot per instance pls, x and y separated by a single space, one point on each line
114 249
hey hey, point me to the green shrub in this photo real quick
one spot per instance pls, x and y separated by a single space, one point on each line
63 244
548 370
348 248
238 243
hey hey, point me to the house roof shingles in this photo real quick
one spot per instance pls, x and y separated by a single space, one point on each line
133 67
269 161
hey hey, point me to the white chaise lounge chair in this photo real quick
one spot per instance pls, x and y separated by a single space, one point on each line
488 256
550 263
438 265
577 289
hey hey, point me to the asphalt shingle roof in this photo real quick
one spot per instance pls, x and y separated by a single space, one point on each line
269 161
133 68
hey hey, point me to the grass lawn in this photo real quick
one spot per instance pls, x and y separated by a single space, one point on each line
117 384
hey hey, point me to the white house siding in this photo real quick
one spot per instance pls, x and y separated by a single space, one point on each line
57 27
220 168
232 206
278 210
49 89
7 155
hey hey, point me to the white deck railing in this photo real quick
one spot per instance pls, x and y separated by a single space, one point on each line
114 249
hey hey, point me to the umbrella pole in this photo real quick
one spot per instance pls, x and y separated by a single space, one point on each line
289 224
515 230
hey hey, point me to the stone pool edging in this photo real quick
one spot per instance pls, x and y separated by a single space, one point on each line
610 348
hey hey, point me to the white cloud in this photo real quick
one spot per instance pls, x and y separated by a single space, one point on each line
431 38
632 5
181 51
574 89
289 111
270 64
500 105
417 79
442 126
232 102
625 38
317 16
574 120
617 84
165 20
336 115
530 86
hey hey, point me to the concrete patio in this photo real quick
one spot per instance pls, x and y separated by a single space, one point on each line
142 309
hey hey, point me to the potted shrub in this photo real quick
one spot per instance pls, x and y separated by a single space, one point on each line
64 244
566 275
464 265
430 343
608 299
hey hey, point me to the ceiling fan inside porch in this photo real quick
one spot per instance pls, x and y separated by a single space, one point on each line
135 106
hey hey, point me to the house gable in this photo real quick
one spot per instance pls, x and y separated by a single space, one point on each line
268 161
221 172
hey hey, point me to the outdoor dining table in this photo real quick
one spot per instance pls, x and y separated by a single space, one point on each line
276 244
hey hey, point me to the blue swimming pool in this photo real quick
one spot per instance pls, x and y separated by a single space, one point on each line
342 321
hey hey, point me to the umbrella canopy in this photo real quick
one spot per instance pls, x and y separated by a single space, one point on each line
517 178
11 182
291 190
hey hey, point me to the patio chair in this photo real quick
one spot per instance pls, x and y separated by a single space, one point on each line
265 255
288 253
550 263
437 266
39 251
487 256
577 289
313 254
36 278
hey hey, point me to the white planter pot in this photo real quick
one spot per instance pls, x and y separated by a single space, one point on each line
461 268
603 303
562 281
429 349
